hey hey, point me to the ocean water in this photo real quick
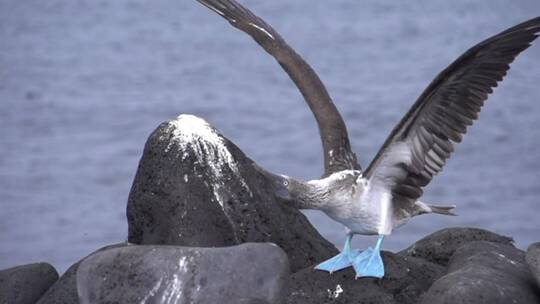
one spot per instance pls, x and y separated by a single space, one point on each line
83 84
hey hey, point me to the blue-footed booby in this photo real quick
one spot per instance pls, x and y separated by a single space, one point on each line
377 200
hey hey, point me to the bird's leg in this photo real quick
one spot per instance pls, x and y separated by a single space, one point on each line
342 260
369 263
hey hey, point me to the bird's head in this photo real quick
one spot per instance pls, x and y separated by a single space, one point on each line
284 187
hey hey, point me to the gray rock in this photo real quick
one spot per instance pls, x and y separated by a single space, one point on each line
195 188
26 283
485 272
533 260
247 273
64 291
405 280
438 247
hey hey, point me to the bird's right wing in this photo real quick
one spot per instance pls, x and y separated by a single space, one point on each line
337 150
419 145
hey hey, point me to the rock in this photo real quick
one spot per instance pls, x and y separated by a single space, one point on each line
485 272
405 280
26 283
195 188
438 247
533 260
64 291
247 273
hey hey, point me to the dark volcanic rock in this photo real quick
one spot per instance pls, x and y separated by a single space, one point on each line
438 247
533 260
26 283
485 272
247 273
195 188
405 280
64 291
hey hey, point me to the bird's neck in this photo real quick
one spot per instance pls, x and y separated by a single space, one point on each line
326 193
312 196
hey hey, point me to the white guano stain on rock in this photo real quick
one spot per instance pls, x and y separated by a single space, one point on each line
505 258
192 135
335 294
152 292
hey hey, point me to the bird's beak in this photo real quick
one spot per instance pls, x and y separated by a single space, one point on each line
277 182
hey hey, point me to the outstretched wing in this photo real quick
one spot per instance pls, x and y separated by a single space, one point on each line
419 145
337 150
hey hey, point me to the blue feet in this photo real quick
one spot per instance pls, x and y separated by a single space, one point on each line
340 261
366 264
369 263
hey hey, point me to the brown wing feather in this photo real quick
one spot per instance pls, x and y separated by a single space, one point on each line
338 155
441 115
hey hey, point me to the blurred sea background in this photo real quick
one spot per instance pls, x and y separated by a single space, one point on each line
83 84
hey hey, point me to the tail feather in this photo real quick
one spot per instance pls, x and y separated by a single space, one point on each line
445 210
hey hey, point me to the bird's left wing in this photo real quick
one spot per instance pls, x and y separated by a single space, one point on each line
338 154
419 145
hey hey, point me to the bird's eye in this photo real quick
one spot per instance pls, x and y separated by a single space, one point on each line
285 183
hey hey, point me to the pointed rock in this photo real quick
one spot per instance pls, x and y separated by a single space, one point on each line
195 188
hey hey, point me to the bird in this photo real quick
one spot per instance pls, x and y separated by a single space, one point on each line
385 195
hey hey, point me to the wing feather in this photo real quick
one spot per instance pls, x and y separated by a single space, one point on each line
442 113
338 154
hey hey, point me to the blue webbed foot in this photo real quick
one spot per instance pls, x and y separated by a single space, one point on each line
369 263
340 261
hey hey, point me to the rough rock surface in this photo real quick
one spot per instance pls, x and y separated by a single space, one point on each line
533 260
195 188
247 273
405 280
439 246
64 291
26 283
485 272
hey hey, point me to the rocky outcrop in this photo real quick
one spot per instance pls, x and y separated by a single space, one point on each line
438 247
125 273
533 260
448 266
195 188
453 265
247 273
485 272
475 272
405 280
26 283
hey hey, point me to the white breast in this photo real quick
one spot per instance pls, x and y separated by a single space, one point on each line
368 210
